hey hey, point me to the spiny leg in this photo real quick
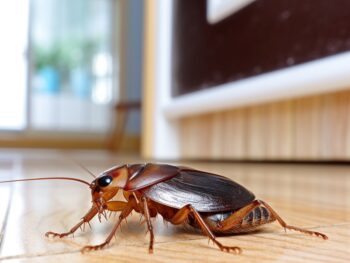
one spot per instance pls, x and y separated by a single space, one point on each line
86 219
284 224
149 224
182 215
126 209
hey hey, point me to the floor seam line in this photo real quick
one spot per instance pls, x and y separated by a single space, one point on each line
7 213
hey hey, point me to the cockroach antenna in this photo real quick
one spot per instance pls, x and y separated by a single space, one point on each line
82 167
46 178
86 169
67 157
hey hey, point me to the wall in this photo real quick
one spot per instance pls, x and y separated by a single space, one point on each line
262 37
312 128
315 127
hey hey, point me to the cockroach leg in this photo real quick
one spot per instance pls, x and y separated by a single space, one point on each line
89 215
239 222
149 224
284 224
115 206
181 216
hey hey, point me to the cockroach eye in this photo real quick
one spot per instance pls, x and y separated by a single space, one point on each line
104 181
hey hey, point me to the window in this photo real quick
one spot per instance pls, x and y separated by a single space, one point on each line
73 64
13 63
59 65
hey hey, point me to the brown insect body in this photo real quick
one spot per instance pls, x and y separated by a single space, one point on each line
181 195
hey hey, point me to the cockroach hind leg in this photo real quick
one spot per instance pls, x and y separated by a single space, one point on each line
308 232
286 226
325 237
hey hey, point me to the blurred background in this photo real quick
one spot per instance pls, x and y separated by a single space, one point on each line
255 90
64 69
201 79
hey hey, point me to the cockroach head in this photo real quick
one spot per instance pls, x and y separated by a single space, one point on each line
107 184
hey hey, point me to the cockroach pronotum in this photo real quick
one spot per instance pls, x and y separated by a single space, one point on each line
181 195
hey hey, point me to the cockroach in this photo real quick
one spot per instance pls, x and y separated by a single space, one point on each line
209 202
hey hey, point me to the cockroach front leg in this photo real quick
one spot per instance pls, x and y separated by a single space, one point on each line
86 219
114 206
181 217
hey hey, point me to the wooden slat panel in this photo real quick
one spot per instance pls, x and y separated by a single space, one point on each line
312 128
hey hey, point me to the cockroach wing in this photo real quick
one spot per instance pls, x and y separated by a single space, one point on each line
206 192
149 174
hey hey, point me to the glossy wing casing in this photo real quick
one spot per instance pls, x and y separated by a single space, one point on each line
144 175
206 192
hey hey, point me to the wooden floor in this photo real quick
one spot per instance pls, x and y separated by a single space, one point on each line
316 197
